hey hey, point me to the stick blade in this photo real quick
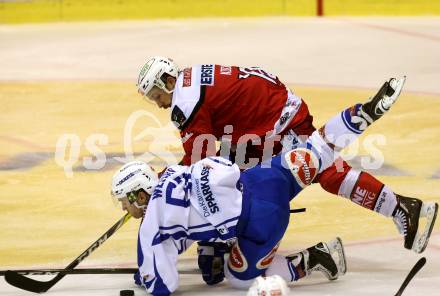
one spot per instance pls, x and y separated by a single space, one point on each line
419 264
22 282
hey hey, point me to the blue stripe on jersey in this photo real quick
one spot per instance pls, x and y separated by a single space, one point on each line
182 247
159 286
292 274
346 119
221 162
293 271
313 149
197 236
148 284
186 229
140 255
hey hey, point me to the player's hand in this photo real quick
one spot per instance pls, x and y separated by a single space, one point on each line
137 278
211 261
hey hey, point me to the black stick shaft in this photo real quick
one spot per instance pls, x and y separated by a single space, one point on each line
28 284
300 210
84 271
411 274
56 271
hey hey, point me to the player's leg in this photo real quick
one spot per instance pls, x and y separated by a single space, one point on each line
327 258
359 187
257 242
323 145
340 179
341 130
370 193
338 133
261 226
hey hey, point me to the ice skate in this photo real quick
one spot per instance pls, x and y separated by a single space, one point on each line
380 103
328 258
406 217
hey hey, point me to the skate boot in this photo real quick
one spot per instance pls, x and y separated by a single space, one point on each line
327 258
406 216
380 103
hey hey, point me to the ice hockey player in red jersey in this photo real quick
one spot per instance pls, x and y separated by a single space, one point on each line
255 115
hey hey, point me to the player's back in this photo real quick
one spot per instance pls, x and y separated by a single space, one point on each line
249 99
200 202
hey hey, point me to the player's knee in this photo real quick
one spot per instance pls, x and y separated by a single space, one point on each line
303 164
238 271
235 281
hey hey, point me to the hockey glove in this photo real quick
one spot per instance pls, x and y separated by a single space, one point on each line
137 278
211 261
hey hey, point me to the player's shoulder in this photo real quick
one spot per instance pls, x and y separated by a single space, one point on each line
190 90
187 96
172 170
217 164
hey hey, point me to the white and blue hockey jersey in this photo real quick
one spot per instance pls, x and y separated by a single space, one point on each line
200 202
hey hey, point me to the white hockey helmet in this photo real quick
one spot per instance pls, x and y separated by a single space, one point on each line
132 177
270 285
152 71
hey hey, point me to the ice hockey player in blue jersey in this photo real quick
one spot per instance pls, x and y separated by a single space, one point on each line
211 201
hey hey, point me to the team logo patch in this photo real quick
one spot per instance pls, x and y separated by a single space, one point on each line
237 262
178 117
303 164
264 262
207 75
364 197
187 72
225 70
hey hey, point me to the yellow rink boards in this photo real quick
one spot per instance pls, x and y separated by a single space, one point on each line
47 219
79 10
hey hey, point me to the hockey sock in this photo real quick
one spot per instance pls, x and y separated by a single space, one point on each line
368 192
339 132
290 270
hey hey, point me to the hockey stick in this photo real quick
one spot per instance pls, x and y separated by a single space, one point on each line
72 271
300 210
22 282
411 274
85 271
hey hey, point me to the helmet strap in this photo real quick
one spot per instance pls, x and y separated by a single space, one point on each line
138 206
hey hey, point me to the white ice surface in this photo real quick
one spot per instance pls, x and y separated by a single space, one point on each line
351 52
376 267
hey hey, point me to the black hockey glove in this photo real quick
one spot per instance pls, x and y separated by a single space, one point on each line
211 261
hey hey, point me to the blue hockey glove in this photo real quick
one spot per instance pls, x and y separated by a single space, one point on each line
211 261
137 278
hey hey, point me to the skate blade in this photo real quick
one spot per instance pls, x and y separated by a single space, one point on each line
429 210
336 246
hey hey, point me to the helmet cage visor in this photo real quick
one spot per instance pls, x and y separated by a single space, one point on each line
132 197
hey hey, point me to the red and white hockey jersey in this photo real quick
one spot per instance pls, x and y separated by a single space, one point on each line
214 99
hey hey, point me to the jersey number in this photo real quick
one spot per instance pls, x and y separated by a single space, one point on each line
256 71
179 197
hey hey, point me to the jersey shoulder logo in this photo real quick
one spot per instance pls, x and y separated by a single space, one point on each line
207 75
187 73
224 70
178 117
